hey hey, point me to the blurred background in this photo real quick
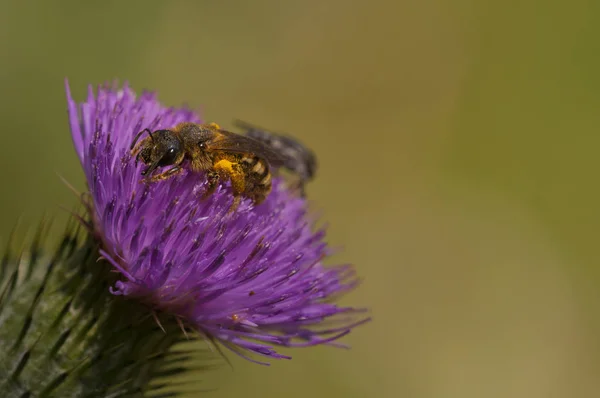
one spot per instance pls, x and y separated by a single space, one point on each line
458 149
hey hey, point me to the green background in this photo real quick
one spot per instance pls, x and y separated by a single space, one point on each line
458 147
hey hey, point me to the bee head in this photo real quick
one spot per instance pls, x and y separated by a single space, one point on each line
161 148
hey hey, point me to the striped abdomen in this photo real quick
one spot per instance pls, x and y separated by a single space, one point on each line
258 177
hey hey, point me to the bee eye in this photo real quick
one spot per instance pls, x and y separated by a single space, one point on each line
169 157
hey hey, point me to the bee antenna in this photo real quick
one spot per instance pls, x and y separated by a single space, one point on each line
137 137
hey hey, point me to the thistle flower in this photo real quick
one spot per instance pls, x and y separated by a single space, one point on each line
251 280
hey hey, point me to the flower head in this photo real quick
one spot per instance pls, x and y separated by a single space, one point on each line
253 279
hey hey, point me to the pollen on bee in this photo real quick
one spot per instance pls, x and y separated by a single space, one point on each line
224 165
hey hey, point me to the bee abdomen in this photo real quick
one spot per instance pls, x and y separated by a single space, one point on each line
261 178
265 182
255 167
249 161
262 188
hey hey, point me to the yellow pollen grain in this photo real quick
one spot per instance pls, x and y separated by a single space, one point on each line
224 165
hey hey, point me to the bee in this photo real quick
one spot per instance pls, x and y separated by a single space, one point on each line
223 155
296 157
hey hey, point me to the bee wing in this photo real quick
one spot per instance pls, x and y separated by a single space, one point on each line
231 142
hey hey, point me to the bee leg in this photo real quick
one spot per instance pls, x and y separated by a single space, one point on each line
234 205
212 180
165 175
235 173
238 186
